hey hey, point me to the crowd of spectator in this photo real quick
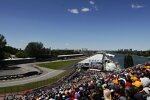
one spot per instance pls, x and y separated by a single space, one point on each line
129 84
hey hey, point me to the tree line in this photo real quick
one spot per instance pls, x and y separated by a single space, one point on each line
33 49
145 53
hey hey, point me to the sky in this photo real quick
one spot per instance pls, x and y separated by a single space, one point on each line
76 24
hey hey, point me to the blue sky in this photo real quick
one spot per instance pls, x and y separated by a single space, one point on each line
76 24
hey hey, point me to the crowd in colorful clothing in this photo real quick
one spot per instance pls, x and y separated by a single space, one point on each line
129 84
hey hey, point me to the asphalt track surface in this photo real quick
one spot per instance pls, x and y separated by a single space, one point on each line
47 73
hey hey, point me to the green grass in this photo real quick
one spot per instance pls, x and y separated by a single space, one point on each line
53 65
58 65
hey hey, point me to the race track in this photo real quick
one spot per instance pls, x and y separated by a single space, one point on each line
47 73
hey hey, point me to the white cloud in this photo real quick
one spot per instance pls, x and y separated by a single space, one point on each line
136 6
92 2
93 5
74 11
85 9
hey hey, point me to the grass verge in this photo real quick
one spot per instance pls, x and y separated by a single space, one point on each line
58 65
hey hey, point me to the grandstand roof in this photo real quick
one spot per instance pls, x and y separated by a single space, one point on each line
95 58
17 59
71 55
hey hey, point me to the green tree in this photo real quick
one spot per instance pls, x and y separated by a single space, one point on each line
128 61
2 46
20 54
11 50
34 49
63 52
125 61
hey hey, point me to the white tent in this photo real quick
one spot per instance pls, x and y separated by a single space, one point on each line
91 60
110 55
110 66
